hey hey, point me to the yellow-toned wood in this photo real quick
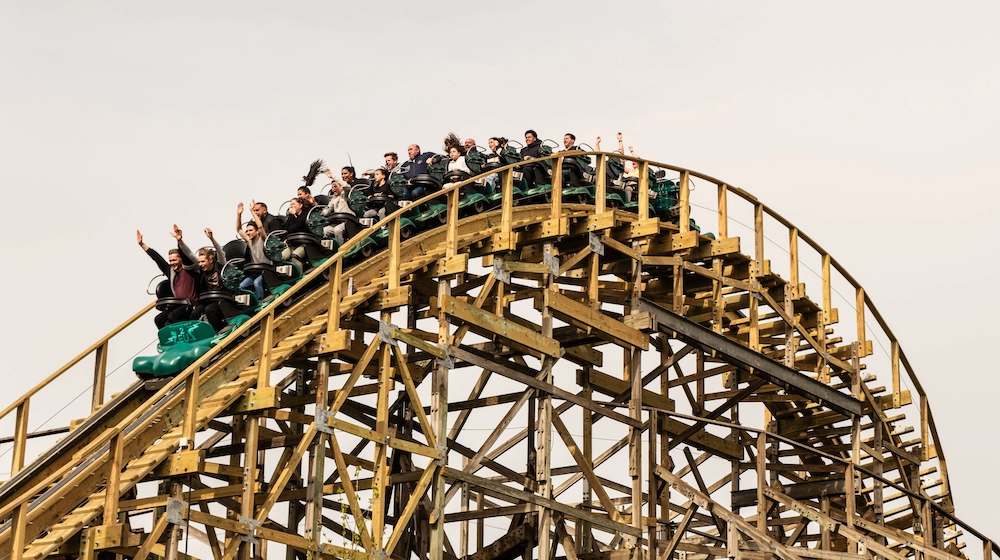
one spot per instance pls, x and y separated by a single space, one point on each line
583 316
489 322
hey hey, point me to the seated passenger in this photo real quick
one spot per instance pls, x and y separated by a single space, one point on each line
470 145
180 280
383 199
254 237
572 168
347 174
457 162
534 173
208 278
270 221
494 159
296 222
417 165
338 205
614 166
305 193
391 162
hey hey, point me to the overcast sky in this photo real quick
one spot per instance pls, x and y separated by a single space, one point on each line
871 125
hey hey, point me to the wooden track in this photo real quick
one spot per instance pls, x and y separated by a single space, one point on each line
543 380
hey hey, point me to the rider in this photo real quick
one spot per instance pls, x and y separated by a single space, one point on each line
254 237
181 283
534 173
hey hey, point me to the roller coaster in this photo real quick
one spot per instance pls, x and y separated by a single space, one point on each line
555 377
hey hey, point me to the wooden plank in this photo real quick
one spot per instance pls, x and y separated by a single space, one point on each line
500 326
520 495
583 316
614 387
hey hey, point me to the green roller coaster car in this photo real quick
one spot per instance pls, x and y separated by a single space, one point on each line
180 345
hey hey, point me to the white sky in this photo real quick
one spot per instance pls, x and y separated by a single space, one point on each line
870 125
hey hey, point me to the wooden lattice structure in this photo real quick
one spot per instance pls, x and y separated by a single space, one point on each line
544 380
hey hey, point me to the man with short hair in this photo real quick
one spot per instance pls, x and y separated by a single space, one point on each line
417 165
391 161
469 144
270 221
572 167
534 173
180 280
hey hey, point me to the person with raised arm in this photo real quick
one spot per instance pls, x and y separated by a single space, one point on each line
254 237
180 280
208 277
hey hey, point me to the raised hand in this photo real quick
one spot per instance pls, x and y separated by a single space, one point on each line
619 136
138 237
239 208
208 233
177 233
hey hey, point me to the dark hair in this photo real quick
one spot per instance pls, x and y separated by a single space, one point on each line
304 202
392 155
531 132
571 135
262 205
350 169
305 189
251 223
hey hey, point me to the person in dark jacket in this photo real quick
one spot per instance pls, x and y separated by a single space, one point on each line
383 199
208 278
417 165
572 168
180 280
534 173
270 221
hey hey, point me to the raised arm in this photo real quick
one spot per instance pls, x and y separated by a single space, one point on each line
256 218
187 257
621 146
597 144
220 255
239 223
160 263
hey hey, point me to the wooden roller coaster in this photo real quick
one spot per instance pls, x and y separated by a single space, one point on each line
538 381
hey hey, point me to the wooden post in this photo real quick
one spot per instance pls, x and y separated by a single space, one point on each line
763 504
583 527
20 437
793 257
316 473
758 234
827 299
176 530
507 210
644 190
557 188
439 411
601 184
896 396
114 479
380 482
723 211
190 409
859 306
100 373
247 508
451 244
543 458
267 342
685 204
